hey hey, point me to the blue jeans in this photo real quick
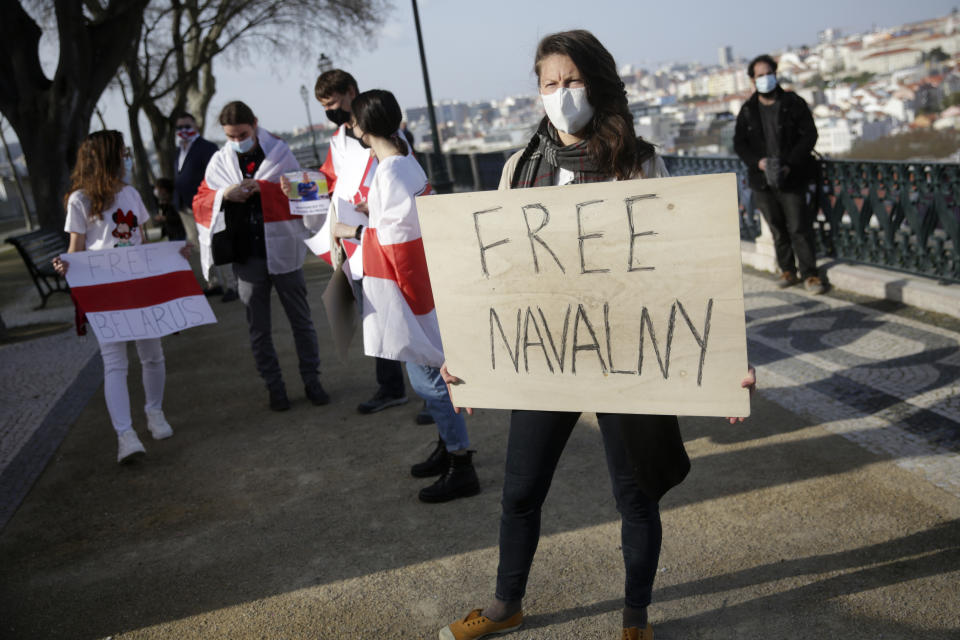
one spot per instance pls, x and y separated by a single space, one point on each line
536 440
428 384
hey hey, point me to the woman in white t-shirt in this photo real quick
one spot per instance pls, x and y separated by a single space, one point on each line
103 213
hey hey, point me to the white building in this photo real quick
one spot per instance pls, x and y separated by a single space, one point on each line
725 56
835 136
891 60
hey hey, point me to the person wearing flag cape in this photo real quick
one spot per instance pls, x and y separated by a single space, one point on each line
349 169
399 320
243 217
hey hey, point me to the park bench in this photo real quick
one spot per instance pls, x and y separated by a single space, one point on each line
38 249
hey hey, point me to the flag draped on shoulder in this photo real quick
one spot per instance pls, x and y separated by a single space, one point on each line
284 233
349 169
399 319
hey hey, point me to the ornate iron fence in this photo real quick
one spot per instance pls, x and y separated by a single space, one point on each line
897 215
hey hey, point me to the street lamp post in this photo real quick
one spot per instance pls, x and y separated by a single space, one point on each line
441 181
313 134
324 64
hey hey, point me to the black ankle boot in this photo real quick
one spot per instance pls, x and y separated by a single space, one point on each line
459 481
435 464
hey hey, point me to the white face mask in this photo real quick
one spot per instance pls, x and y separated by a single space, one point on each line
568 109
766 83
127 176
243 146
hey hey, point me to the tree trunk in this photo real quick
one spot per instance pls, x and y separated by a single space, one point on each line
51 117
200 94
50 147
163 134
143 177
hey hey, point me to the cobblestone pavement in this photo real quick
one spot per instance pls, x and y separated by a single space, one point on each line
304 524
44 384
884 381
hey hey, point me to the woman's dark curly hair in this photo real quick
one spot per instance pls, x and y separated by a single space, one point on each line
611 138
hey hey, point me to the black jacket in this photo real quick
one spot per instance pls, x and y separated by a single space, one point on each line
798 135
190 175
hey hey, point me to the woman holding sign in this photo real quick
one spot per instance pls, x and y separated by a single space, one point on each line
399 321
102 213
586 136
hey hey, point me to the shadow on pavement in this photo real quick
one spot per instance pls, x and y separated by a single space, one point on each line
243 504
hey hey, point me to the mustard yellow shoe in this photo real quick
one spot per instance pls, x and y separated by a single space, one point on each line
476 625
634 633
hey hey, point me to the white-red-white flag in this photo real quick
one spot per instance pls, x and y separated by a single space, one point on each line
132 293
399 320
349 169
283 232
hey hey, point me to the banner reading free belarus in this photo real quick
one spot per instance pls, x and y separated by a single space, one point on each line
133 293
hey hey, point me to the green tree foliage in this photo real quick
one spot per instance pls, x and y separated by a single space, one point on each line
921 143
857 80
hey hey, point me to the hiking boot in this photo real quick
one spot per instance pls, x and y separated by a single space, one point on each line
459 481
476 625
814 285
424 416
129 447
213 291
316 394
278 399
436 463
787 279
158 425
635 633
380 401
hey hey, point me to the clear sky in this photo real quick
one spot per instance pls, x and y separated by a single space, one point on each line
484 49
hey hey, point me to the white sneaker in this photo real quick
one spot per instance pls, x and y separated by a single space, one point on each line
158 424
129 446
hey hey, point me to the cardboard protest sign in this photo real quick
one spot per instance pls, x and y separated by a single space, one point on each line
307 193
132 293
340 307
619 297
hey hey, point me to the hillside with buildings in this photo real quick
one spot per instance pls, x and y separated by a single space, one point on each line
862 88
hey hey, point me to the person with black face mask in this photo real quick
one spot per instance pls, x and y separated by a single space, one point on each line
349 169
774 136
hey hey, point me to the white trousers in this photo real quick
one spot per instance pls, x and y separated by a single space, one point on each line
115 379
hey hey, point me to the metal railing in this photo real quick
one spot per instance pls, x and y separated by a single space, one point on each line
897 215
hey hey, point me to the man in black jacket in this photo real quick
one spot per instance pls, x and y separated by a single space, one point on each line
190 165
775 135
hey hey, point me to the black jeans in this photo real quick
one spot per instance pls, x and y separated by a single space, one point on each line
390 378
536 440
792 229
254 283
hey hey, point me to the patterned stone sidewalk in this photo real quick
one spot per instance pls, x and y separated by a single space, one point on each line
882 380
44 384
